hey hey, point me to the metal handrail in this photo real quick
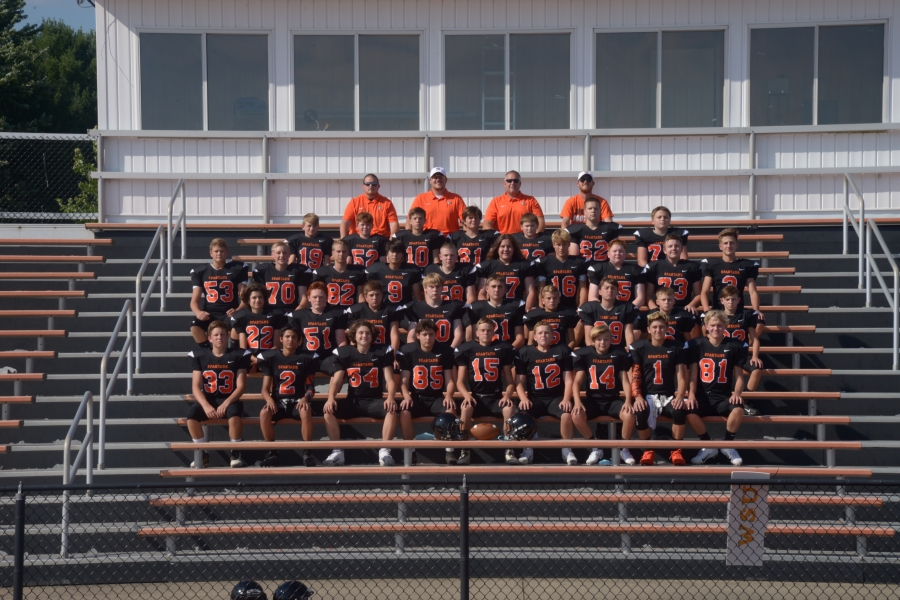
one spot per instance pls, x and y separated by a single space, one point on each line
142 299
860 231
872 266
71 470
182 218
108 383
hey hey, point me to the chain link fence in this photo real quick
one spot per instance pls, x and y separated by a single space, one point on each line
442 539
46 178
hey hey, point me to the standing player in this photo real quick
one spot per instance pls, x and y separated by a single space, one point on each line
322 326
650 240
402 282
619 317
505 260
344 282
288 390
544 374
218 381
591 239
286 284
384 318
533 244
365 247
368 369
565 321
217 289
370 201
460 281
628 276
573 210
310 248
682 325
504 212
421 244
254 328
683 276
568 274
729 270
485 380
447 316
472 243
443 209
717 382
745 325
505 315
601 372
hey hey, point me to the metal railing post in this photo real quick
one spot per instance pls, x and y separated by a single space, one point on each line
869 264
182 218
101 201
426 158
464 541
844 217
892 296
862 231
265 181
19 552
751 185
107 383
130 355
162 274
183 232
587 152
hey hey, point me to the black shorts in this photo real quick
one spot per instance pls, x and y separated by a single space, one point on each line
541 407
360 407
195 412
328 365
716 406
602 408
213 316
426 407
287 409
487 406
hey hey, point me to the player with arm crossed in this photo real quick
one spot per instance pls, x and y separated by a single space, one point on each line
729 270
628 276
402 283
650 240
532 243
505 259
564 321
683 276
745 325
255 328
343 281
366 247
618 316
422 245
460 280
447 316
309 249
473 244
568 274
285 284
507 316
217 288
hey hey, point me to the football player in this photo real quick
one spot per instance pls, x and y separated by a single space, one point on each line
365 247
650 240
505 315
422 245
322 327
447 316
532 243
568 274
591 239
619 317
460 280
565 321
285 283
505 259
745 325
402 283
729 270
681 275
254 328
683 326
310 248
383 317
473 244
628 276
217 287
343 281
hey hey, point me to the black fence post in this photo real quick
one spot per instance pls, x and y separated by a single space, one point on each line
19 565
464 541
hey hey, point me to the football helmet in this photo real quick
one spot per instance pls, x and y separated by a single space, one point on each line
248 590
447 427
292 590
521 426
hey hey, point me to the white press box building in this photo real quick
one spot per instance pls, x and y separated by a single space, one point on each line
269 109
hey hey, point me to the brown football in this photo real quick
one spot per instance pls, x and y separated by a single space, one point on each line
485 431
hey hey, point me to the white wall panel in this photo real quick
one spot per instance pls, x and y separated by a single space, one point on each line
498 156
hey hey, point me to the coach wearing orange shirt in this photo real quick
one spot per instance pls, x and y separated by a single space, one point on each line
573 210
504 212
382 210
443 208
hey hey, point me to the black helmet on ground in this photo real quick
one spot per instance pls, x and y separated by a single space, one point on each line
521 426
248 590
292 590
447 427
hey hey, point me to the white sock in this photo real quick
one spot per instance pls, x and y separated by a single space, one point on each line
200 441
237 440
449 449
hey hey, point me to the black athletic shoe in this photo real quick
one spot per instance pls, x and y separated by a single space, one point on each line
464 458
750 410
236 461
415 458
204 461
450 457
271 460
308 460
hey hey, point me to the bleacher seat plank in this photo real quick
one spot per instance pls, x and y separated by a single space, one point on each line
47 275
10 424
789 329
44 294
791 396
4 449
792 349
55 242
33 333
757 255
27 258
28 354
38 313
16 399
777 270
784 308
797 372
22 376
764 237
777 289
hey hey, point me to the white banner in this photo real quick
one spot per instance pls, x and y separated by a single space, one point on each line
748 517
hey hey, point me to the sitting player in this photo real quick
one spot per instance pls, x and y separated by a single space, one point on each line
683 326
534 244
310 248
485 380
745 325
505 315
544 374
717 382
402 283
683 276
628 276
365 247
369 370
427 382
473 244
659 378
343 281
619 317
286 284
447 316
601 372
288 390
218 381
421 244
460 281
591 239
564 321
650 240
322 326
383 317
504 259
729 270
568 274
254 328
217 288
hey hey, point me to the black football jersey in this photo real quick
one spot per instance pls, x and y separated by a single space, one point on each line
602 372
485 366
426 369
543 371
397 283
472 250
456 282
680 277
534 248
219 372
680 323
443 317
740 323
653 242
363 372
343 288
562 320
627 278
319 330
289 373
715 365
506 318
420 248
593 244
220 286
734 273
261 330
381 319
564 275
311 252
515 274
621 314
366 251
658 366
283 286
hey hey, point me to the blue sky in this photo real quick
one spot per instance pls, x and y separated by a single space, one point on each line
64 10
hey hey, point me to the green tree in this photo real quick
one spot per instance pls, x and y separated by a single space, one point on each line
22 85
67 61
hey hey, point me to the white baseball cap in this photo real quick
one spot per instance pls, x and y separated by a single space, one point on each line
437 170
582 174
